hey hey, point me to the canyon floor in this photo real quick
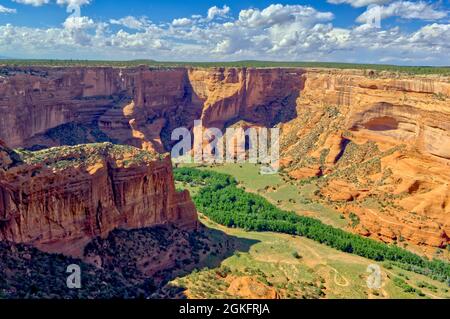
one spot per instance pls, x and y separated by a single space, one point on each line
301 196
284 266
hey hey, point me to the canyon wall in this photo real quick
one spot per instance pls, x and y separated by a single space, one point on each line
140 106
414 110
372 137
62 197
380 143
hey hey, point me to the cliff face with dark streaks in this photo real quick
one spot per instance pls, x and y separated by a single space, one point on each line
140 106
72 194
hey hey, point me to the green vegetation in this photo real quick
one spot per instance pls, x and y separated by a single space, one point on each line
222 201
67 156
270 260
269 266
406 287
215 283
355 219
281 190
371 68
27 273
423 284
73 134
296 255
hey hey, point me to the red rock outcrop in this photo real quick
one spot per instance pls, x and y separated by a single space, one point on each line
383 137
260 96
71 194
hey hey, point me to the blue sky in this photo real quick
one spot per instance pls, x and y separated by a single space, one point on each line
158 11
366 31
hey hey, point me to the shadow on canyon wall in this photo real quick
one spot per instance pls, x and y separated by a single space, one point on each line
147 105
125 264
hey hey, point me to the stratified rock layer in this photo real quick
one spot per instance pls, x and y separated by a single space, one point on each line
72 194
380 144
368 135
139 106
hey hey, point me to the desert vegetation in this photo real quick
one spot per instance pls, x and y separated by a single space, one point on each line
27 273
85 154
72 134
286 266
129 264
221 200
372 69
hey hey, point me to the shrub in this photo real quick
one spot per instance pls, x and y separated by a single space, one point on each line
223 202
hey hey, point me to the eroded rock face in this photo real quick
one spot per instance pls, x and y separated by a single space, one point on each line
62 197
140 106
380 135
381 143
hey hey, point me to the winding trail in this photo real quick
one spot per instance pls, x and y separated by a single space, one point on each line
336 274
322 262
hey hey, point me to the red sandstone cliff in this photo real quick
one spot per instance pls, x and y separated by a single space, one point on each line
139 106
381 144
376 135
71 194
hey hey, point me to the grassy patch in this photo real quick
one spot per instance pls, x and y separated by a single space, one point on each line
271 261
223 202
287 194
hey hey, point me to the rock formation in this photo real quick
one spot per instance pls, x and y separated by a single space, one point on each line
139 106
380 144
381 138
62 197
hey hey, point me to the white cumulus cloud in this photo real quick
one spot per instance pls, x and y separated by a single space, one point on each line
215 11
38 3
78 23
35 3
279 14
182 22
405 10
131 22
359 3
77 3
4 9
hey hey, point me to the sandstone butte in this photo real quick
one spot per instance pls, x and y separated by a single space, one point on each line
380 141
60 198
